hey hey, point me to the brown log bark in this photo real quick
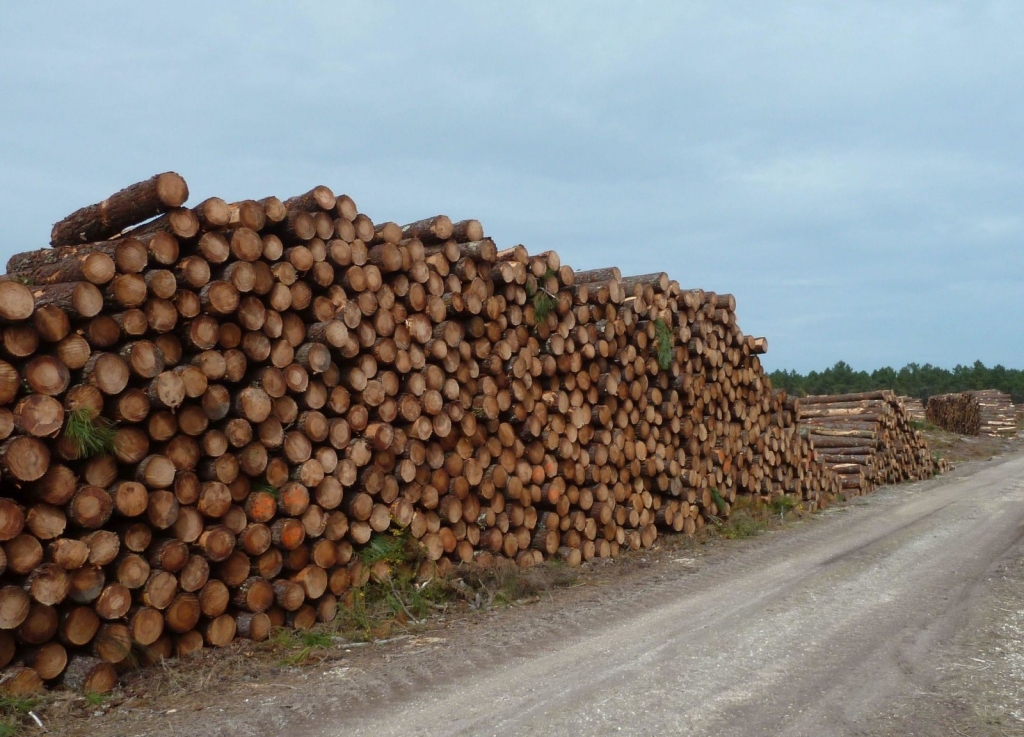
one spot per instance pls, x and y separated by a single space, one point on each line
127 207
178 222
95 267
81 299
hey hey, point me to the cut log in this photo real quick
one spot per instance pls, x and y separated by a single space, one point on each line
20 682
87 674
127 207
95 267
81 299
39 415
14 607
24 458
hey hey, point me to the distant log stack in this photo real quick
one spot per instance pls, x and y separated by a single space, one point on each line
996 413
207 418
985 412
866 438
915 409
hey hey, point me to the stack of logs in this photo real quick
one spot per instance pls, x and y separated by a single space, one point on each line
985 412
866 438
205 419
915 409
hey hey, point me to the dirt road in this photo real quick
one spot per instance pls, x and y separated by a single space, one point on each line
846 626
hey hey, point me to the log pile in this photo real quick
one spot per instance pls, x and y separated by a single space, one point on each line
915 409
866 438
997 414
985 412
205 419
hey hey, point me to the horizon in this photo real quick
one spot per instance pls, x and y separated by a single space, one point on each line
896 368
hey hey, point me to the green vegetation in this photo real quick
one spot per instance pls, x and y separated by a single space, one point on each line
751 517
742 525
302 644
265 488
912 380
718 500
92 436
387 547
18 705
782 504
96 699
13 710
664 343
543 304
388 605
381 606
392 597
543 300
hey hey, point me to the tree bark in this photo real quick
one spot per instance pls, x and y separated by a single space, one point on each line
127 207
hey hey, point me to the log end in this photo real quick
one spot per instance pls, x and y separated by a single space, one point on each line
171 189
16 301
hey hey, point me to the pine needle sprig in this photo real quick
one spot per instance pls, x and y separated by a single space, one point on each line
664 343
92 436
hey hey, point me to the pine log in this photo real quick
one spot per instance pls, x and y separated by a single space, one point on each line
81 299
87 674
127 207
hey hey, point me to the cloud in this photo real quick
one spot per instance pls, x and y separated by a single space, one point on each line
851 172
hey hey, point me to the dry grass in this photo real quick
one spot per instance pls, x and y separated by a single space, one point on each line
959 448
15 714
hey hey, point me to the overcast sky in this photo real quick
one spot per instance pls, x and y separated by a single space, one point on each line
852 172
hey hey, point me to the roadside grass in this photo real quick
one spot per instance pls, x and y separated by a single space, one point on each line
399 602
396 603
740 525
782 505
96 699
957 448
392 603
14 714
750 516
300 647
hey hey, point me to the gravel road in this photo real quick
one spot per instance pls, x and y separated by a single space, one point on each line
842 626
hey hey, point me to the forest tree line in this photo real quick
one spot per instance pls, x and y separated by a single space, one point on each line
912 380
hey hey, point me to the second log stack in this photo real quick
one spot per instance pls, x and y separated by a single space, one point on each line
985 412
866 438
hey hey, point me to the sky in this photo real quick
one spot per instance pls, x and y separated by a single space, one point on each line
852 172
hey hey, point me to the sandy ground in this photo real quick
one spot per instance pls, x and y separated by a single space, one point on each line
901 613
